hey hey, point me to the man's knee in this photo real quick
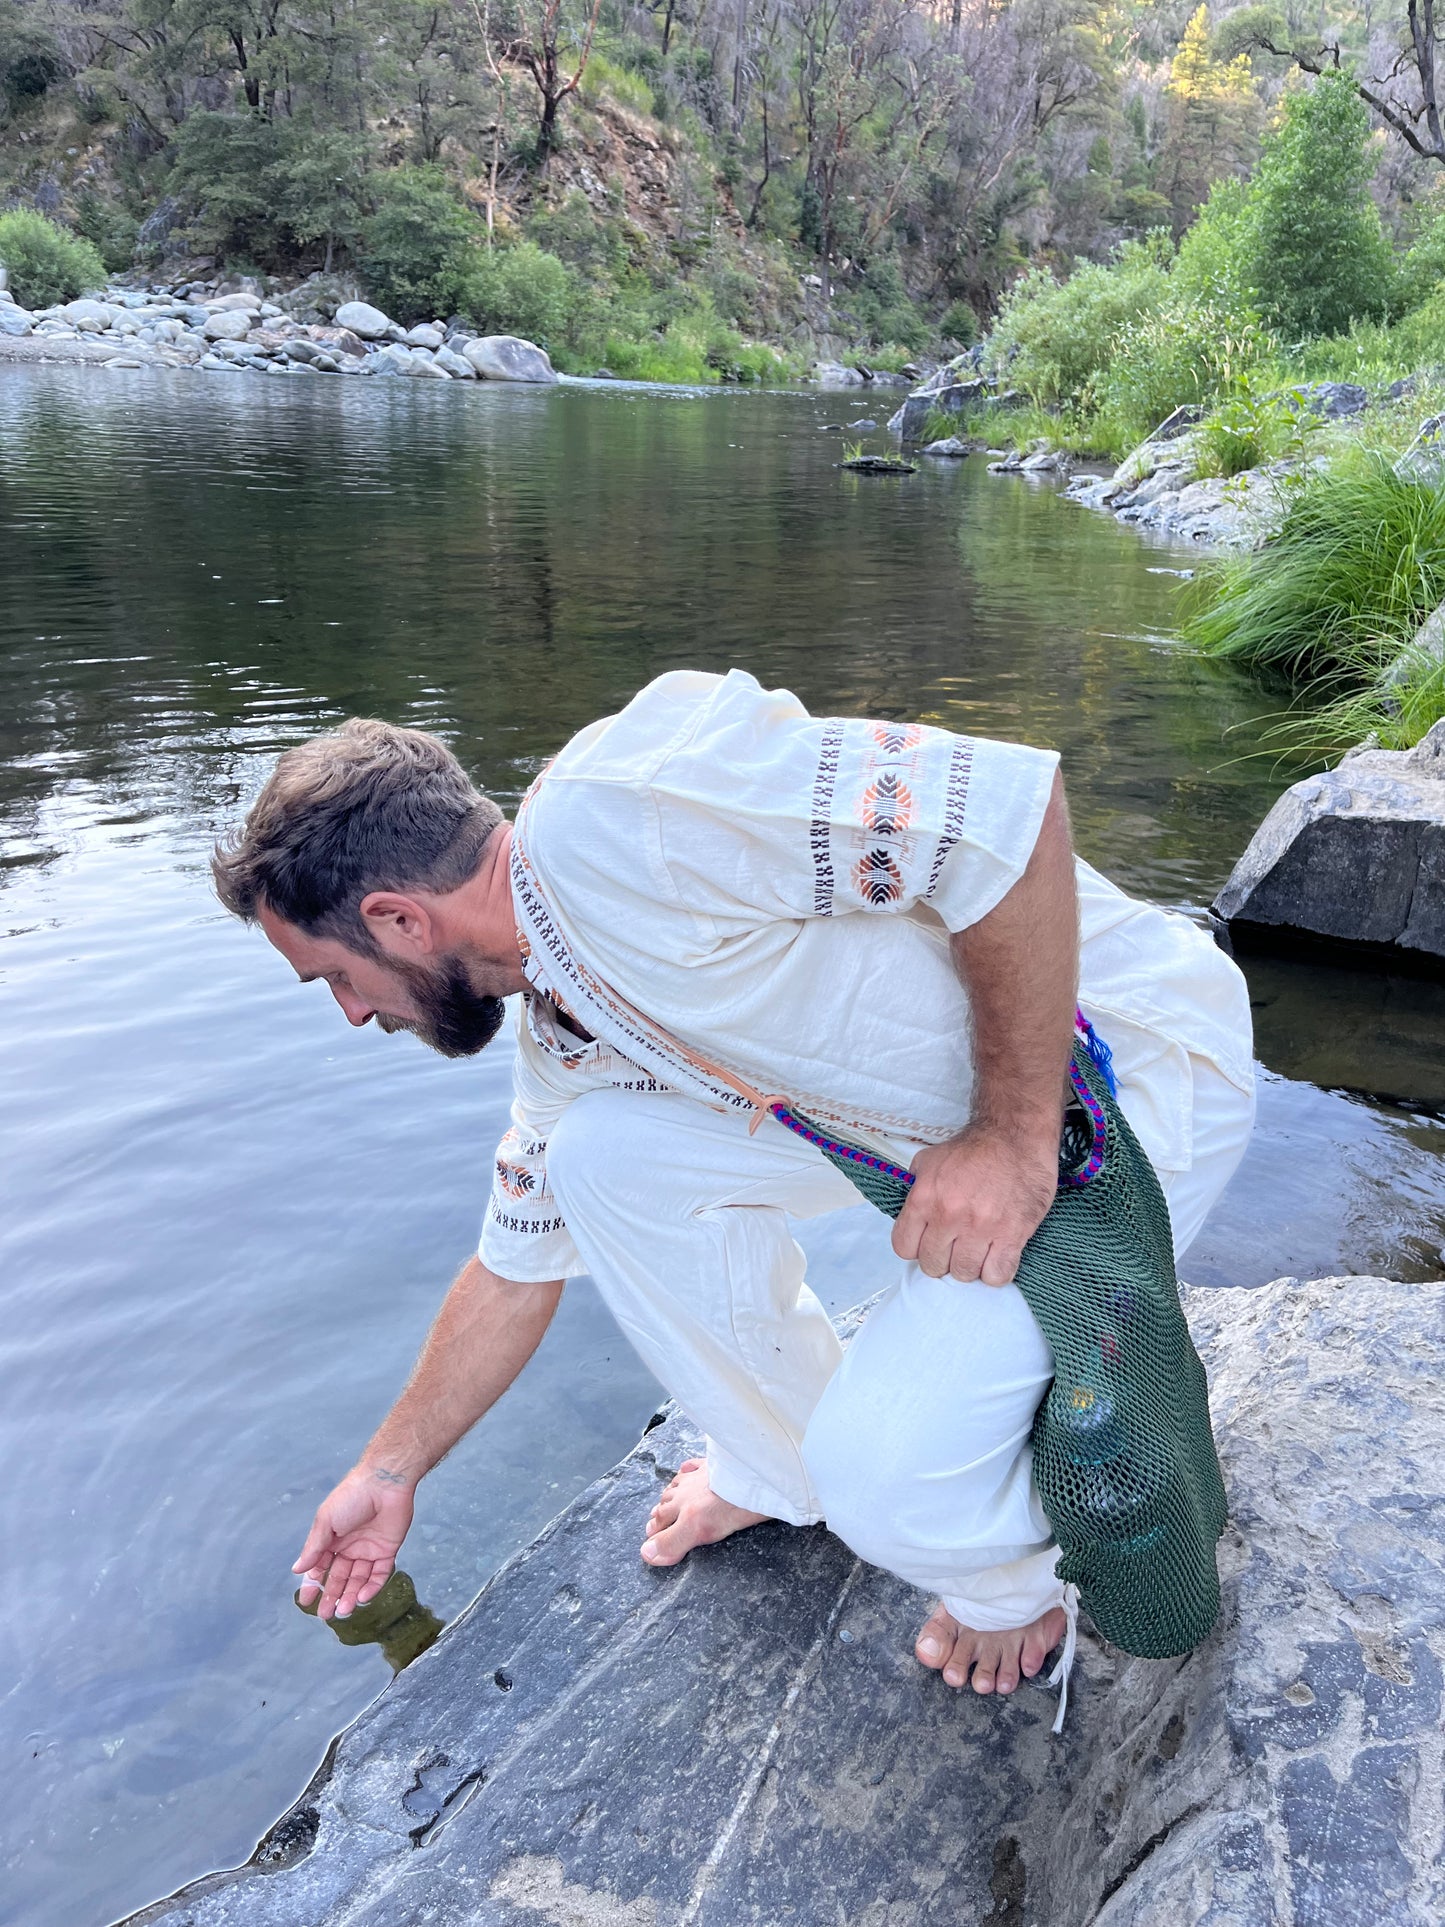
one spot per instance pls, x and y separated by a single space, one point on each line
594 1136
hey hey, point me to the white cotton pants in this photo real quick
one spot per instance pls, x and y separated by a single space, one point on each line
914 1445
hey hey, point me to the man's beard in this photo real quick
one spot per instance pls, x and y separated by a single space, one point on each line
455 1019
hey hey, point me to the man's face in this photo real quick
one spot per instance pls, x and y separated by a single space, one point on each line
436 1001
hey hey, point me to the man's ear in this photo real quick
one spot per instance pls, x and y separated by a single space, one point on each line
401 926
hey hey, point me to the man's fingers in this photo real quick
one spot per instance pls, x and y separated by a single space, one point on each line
336 1580
381 1571
356 1581
1001 1265
935 1252
318 1541
907 1229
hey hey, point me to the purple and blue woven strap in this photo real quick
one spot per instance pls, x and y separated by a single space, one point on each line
1099 1054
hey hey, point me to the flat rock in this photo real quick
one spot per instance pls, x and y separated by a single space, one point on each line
364 320
426 335
949 445
1355 855
745 1740
509 358
88 313
1333 400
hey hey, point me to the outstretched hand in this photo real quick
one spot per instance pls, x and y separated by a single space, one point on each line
976 1201
354 1539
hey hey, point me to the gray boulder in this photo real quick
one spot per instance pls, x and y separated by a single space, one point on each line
746 1740
1333 400
1188 415
88 314
457 366
1356 855
228 325
508 358
1424 459
364 320
833 374
426 335
950 399
949 445
14 321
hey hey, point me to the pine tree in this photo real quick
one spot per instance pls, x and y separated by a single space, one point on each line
1212 120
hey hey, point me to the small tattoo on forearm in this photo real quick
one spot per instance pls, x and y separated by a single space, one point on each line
388 1478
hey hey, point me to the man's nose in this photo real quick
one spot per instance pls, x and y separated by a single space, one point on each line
356 1009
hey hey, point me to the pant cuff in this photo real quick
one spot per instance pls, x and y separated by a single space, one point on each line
1001 1598
735 1483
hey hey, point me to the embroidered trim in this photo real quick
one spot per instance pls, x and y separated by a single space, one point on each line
531 1227
955 806
820 830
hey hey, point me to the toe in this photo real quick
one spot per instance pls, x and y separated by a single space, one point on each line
987 1660
1006 1678
965 1652
667 1547
1040 1640
935 1642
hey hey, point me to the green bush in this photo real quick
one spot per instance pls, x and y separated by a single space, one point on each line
1054 337
523 290
1357 565
959 323
1214 254
1422 267
1248 429
108 227
883 309
603 79
267 192
418 247
45 262
1185 352
1317 253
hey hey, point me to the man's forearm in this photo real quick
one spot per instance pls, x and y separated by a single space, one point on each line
1020 966
484 1334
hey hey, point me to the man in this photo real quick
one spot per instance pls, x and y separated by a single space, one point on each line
708 899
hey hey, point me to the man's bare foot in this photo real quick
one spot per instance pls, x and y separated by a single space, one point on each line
689 1514
996 1659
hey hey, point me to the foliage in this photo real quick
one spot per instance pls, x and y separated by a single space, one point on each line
109 227
1422 267
959 323
883 311
418 246
1214 256
1212 118
1183 351
267 191
1317 253
1054 338
1248 429
45 263
523 290
1358 563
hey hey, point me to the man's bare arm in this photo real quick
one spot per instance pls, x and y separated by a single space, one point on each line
978 1199
484 1334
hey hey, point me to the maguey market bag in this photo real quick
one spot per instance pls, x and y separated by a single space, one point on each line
1123 1455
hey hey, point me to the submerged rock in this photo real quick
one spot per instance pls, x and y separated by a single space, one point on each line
509 358
746 1739
1355 855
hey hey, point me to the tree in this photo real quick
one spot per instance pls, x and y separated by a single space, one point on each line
1211 124
1318 254
535 36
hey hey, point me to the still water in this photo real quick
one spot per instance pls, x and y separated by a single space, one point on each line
229 1218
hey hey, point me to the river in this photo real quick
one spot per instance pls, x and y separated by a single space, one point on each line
229 1218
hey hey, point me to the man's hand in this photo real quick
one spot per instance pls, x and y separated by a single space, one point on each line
355 1537
976 1201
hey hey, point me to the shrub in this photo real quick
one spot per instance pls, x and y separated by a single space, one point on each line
1317 253
883 308
959 323
1214 255
1054 337
1422 267
604 79
266 191
1248 429
418 246
1357 565
109 229
523 290
46 263
1185 352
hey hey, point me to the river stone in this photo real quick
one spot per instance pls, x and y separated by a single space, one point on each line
1179 422
425 335
14 321
508 358
745 1740
1355 854
457 366
364 320
1424 459
88 314
235 304
949 445
1332 400
227 326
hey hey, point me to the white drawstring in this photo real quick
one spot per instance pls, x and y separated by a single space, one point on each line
1060 1675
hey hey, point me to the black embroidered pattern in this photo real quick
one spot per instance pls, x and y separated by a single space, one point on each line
820 830
955 805
535 1228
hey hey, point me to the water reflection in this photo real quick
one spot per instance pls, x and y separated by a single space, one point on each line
395 1620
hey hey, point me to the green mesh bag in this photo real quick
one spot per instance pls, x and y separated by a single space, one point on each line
1123 1455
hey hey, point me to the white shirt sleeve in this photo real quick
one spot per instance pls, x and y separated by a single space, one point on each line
524 1235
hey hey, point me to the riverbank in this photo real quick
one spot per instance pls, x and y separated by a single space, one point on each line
748 1738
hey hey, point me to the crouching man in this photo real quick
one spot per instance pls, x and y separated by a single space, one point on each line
715 896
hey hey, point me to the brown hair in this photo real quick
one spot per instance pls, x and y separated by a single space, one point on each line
365 807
